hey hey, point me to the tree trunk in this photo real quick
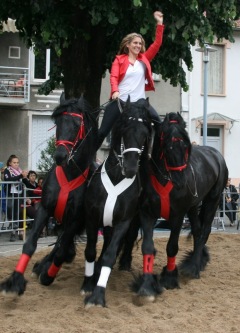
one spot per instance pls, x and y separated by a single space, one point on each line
83 62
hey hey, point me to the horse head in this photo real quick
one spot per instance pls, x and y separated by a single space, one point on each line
131 135
73 124
175 147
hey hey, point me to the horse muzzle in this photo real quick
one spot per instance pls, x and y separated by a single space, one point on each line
61 156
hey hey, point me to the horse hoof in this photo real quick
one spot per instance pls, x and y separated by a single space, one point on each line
169 279
34 275
14 285
97 298
45 280
142 300
85 292
11 295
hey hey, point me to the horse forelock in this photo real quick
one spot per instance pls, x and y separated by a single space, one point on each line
173 118
78 106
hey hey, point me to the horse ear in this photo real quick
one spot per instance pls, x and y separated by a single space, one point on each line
81 102
128 102
166 119
147 102
181 120
62 98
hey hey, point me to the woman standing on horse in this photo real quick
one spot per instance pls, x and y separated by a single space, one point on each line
129 73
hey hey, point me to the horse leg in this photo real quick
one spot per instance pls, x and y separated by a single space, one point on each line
107 236
16 283
50 269
108 260
195 261
91 276
125 260
147 285
39 266
169 277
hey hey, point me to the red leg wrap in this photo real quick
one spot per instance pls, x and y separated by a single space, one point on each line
22 263
171 264
148 263
53 270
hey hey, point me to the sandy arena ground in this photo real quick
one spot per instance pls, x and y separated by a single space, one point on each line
210 304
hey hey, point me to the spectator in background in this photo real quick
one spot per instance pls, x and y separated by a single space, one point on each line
38 193
13 173
2 197
229 197
30 182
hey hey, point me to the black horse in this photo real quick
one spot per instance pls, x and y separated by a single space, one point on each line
63 192
180 179
111 200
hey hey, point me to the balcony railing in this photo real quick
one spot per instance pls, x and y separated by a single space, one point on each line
14 85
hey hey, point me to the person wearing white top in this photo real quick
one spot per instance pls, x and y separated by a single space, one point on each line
131 75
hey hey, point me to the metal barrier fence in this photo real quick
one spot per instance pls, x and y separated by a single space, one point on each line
231 210
13 208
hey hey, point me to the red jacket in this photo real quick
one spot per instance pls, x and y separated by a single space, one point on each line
121 63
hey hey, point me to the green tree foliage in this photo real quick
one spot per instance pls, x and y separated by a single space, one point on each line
85 34
47 159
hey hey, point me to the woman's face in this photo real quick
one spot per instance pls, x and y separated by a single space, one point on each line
40 182
14 163
135 46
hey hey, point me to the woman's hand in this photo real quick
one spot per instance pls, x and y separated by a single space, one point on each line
158 17
115 95
24 174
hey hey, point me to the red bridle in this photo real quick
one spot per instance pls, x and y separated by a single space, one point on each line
174 168
80 135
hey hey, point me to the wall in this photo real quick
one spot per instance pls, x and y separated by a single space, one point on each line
227 105
12 39
14 135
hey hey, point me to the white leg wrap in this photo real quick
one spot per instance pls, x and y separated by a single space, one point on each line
89 268
103 279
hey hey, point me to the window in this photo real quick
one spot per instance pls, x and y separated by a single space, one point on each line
41 63
216 71
212 131
14 52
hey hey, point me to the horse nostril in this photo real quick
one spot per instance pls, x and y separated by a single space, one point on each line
60 158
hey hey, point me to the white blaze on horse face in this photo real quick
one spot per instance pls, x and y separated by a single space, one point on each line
113 192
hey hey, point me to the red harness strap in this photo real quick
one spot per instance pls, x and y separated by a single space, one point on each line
163 192
66 187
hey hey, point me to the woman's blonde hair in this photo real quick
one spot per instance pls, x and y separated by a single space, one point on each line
123 49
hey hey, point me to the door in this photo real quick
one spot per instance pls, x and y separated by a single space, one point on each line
214 137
